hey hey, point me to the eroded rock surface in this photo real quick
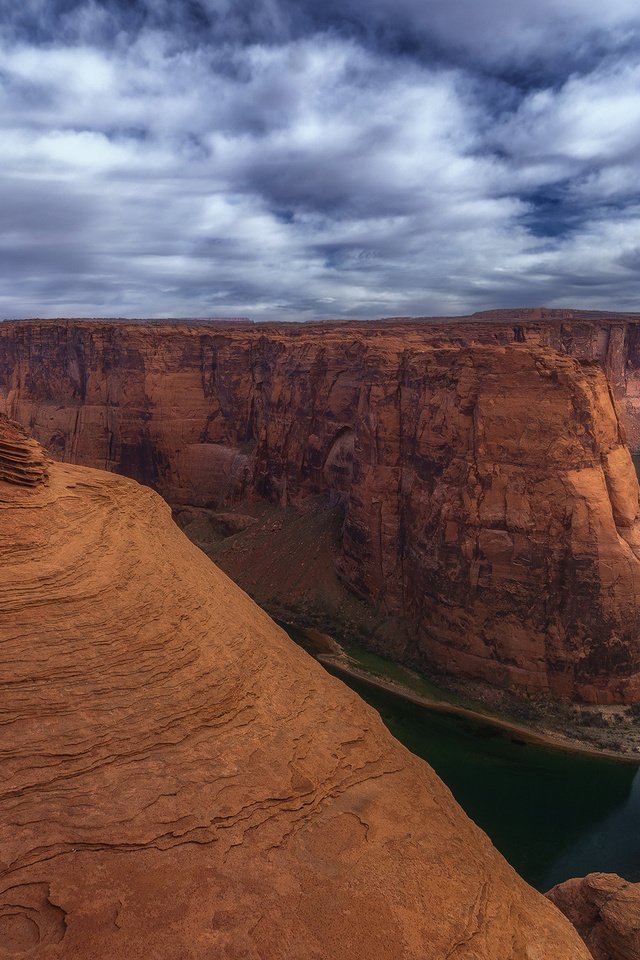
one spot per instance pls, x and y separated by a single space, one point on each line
605 909
22 460
178 780
490 503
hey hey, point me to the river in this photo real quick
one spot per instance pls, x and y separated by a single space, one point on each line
551 813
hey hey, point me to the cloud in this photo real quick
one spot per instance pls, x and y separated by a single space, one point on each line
296 160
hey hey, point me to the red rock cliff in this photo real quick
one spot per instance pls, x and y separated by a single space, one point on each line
490 501
173 784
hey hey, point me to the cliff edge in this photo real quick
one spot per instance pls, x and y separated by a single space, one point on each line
180 781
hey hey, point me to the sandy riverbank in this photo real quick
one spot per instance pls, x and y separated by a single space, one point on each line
341 664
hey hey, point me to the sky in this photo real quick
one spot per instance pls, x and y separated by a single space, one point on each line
291 159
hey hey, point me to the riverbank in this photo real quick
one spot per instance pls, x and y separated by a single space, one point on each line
616 734
528 734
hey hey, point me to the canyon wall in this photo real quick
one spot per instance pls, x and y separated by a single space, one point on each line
179 780
490 502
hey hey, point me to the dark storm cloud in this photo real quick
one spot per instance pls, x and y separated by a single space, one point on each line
303 159
520 37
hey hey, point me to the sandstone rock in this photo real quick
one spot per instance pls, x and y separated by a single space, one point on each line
180 781
22 460
490 503
605 910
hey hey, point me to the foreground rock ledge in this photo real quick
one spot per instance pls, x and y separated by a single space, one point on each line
179 781
605 909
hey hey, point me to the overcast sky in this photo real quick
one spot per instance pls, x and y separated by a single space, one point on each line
296 159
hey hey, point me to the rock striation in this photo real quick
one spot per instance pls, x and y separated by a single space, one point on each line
489 501
180 781
22 460
605 909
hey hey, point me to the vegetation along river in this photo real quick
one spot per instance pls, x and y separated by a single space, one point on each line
553 814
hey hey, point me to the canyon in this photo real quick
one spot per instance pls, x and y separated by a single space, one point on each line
461 492
173 784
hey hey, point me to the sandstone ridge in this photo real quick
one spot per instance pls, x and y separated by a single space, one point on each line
180 781
489 501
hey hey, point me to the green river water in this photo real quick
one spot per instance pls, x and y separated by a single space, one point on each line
553 814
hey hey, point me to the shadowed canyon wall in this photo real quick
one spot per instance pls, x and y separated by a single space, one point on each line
489 499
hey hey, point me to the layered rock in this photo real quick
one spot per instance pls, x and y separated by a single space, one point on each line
179 780
605 910
22 460
490 503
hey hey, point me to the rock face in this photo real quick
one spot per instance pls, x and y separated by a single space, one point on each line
22 460
180 781
490 503
605 910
